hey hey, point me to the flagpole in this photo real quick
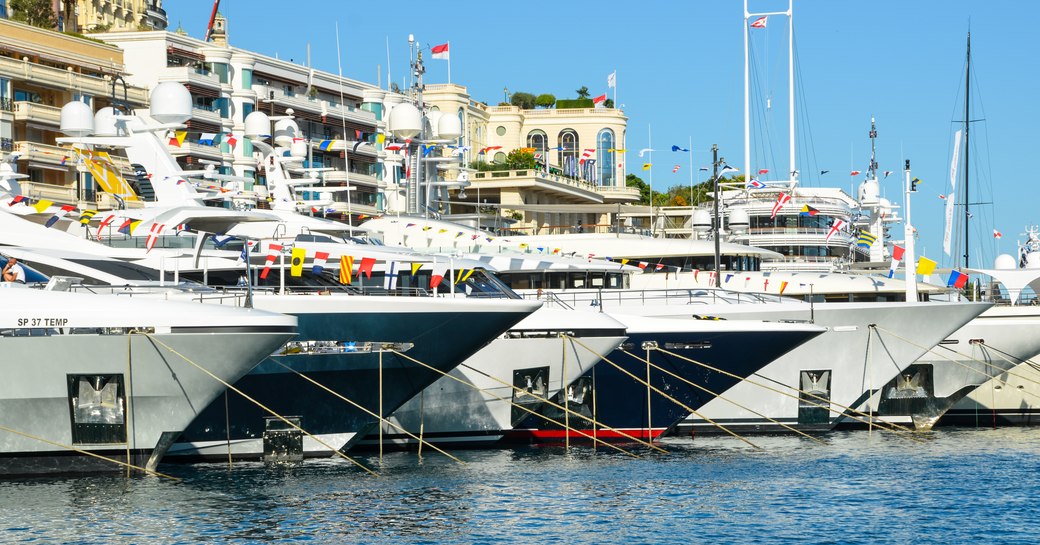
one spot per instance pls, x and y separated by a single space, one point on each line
691 173
449 61
615 89
650 144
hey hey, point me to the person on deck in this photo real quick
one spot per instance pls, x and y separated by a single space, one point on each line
13 272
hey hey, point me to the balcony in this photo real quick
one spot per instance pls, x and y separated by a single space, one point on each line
156 17
40 114
44 154
57 78
190 76
197 150
354 179
561 186
207 116
619 194
267 94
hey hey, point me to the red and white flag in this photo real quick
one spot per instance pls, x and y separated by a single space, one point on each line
273 251
153 235
319 262
997 234
836 227
600 100
783 199
439 52
231 140
659 266
105 223
675 169
854 173
437 275
760 22
897 256
763 171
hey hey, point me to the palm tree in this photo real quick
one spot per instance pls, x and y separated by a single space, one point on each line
583 92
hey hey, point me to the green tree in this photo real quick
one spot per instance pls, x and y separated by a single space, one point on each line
523 100
519 160
631 180
34 12
609 103
545 100
583 92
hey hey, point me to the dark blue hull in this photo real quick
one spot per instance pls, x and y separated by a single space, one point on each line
618 402
440 341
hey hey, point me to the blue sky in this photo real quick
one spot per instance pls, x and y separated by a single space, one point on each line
680 73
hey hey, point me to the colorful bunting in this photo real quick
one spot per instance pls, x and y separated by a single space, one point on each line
320 258
296 264
273 251
346 269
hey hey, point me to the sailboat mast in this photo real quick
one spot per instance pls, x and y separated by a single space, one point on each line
967 147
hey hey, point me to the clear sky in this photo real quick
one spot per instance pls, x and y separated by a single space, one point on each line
680 77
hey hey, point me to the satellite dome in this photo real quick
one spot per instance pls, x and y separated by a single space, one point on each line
449 127
432 120
869 191
105 122
258 125
701 221
285 130
77 119
170 103
1032 261
739 221
1005 261
405 121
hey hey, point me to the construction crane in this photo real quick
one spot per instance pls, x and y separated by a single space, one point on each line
212 17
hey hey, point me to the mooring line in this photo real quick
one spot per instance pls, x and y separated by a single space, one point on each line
817 401
334 450
719 396
127 465
521 407
368 412
668 397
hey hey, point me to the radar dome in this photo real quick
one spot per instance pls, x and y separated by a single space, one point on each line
1004 261
1032 261
739 221
258 125
449 127
105 122
298 149
869 191
405 121
170 103
285 130
701 221
77 119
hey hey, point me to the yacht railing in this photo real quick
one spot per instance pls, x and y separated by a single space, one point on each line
701 296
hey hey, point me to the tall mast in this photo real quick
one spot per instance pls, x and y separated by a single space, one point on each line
967 126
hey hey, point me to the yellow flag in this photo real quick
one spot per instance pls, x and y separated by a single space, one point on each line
463 275
416 267
380 138
346 268
42 205
298 255
84 216
646 166
624 261
181 135
133 226
925 266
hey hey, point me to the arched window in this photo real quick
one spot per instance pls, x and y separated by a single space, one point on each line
605 155
568 153
540 142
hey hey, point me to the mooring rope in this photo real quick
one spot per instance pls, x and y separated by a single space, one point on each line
334 450
521 407
368 412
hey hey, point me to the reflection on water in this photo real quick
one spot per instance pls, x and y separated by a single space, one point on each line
858 487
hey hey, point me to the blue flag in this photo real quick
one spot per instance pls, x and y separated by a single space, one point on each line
677 148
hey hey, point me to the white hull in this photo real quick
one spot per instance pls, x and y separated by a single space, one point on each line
248 448
152 394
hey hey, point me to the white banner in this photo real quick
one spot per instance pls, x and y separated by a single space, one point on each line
947 234
953 163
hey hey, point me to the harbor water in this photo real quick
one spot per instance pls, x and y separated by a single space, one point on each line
950 486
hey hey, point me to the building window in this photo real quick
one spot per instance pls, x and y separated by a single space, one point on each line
568 152
540 142
500 158
605 157
220 69
501 131
247 78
